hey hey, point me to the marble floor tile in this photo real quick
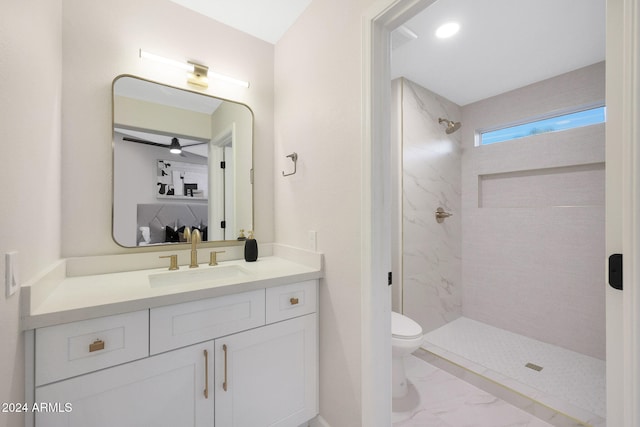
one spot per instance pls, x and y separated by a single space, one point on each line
439 399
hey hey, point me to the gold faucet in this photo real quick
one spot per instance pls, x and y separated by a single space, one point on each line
213 260
195 239
173 261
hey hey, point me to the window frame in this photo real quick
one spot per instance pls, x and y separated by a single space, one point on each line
532 120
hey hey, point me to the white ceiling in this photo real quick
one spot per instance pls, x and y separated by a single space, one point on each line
266 20
502 45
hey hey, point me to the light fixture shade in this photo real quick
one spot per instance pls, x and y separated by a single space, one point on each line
197 74
187 66
229 79
175 147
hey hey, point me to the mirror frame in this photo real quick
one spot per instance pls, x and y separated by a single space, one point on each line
164 246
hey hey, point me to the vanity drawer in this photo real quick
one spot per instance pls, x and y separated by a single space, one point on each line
298 299
192 322
71 349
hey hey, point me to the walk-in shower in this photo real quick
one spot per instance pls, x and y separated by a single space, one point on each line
509 287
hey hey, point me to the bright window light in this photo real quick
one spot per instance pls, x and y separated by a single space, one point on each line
553 124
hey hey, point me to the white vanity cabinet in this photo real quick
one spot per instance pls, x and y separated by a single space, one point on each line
242 360
163 390
268 376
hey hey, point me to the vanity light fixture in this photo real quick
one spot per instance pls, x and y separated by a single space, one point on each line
152 56
225 78
198 74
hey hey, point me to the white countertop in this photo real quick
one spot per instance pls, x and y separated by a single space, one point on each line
52 299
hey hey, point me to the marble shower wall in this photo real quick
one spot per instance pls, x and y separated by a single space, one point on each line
431 178
532 212
534 230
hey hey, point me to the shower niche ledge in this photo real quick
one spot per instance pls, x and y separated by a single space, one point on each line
564 186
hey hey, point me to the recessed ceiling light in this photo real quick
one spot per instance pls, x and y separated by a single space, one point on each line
447 30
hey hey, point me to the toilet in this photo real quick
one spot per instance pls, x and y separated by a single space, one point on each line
406 337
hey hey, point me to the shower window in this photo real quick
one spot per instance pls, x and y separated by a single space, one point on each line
562 122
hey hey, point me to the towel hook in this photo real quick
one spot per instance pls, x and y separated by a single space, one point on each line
294 158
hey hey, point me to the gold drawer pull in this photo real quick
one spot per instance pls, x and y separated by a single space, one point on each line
294 301
206 374
97 345
224 384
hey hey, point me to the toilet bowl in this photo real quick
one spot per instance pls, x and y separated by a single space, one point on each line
406 337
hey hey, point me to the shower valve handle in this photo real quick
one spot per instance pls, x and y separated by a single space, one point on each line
441 215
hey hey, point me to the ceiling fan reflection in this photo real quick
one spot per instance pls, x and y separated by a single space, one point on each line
175 147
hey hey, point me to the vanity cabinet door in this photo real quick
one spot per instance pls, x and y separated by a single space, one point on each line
268 376
163 390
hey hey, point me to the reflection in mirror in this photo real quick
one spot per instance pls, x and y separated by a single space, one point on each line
181 160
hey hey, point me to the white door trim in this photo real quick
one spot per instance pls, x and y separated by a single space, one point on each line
623 207
216 195
377 23
631 210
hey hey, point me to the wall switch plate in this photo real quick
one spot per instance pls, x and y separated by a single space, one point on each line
11 273
313 241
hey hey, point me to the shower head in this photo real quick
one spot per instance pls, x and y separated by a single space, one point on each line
451 126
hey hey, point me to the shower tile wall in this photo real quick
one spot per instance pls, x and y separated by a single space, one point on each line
431 260
533 224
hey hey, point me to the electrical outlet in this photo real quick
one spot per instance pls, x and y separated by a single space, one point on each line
11 273
313 241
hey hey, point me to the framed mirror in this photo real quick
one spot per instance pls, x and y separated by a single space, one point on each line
181 160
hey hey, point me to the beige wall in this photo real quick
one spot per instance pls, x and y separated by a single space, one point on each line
318 80
100 41
137 114
30 76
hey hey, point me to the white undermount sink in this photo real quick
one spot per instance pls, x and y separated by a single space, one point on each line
212 275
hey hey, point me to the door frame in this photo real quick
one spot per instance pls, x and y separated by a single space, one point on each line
219 207
623 210
623 207
378 22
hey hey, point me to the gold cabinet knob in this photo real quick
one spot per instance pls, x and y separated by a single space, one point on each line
96 345
294 301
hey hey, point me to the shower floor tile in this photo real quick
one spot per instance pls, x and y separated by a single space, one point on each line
439 399
566 376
